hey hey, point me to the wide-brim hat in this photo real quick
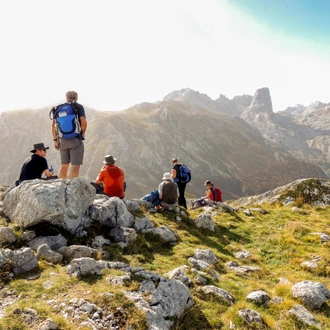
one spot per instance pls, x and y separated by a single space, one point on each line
109 160
38 146
167 176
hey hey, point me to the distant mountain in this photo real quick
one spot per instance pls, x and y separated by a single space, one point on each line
239 143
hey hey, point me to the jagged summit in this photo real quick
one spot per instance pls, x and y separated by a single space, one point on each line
189 96
184 94
261 102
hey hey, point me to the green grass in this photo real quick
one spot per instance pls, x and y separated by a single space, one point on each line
279 241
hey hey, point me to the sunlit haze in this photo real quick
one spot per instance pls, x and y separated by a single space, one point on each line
116 54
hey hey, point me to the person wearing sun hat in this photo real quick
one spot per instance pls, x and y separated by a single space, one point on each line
112 178
35 165
168 192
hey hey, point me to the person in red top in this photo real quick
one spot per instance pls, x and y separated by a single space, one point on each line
112 178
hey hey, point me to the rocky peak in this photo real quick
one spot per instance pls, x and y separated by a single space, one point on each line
261 101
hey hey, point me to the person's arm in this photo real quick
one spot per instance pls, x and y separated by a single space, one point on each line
99 179
160 190
208 194
54 133
173 173
83 125
48 173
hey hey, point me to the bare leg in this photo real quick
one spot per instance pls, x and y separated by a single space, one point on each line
74 171
63 172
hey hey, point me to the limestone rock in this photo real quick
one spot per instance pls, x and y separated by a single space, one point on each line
302 314
7 235
45 252
258 297
111 212
250 316
205 221
60 202
218 292
77 251
313 294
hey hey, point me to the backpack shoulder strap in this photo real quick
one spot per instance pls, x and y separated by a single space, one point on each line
52 113
214 193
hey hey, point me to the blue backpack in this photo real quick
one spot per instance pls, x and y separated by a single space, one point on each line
67 120
184 174
153 197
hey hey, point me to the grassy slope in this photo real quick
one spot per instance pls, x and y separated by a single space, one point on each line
278 240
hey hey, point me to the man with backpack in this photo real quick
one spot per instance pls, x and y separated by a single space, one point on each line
181 175
68 128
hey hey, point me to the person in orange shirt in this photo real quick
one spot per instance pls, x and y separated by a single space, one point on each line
112 178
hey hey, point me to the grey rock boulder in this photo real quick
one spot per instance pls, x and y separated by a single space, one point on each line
7 235
313 294
258 297
61 202
46 253
250 316
303 315
206 255
54 242
77 251
205 221
22 260
111 212
223 294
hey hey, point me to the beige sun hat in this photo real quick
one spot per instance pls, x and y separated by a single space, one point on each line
167 176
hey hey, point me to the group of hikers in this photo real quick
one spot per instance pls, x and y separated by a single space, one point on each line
68 129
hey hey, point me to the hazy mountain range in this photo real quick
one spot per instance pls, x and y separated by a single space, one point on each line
240 144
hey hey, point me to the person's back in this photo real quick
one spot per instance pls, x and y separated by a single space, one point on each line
112 178
170 192
114 181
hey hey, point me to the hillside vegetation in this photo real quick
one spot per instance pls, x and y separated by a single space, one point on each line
279 238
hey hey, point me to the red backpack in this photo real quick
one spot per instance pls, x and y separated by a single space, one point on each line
216 195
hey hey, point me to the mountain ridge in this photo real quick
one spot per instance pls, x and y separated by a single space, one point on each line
224 140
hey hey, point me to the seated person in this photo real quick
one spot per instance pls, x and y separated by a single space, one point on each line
112 178
212 195
168 192
36 165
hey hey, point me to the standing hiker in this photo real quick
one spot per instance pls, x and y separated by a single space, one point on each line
35 165
181 175
68 128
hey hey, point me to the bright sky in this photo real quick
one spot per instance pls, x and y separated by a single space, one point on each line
117 53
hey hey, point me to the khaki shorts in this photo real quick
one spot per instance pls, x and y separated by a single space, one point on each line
72 151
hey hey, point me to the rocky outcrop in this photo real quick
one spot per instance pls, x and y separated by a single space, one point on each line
315 192
63 203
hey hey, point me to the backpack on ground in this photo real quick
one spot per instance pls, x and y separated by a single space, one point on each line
198 203
216 195
184 174
67 120
153 197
